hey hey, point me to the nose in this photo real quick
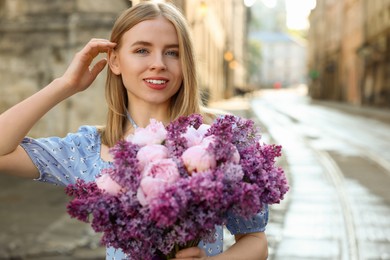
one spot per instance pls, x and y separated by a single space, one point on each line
158 62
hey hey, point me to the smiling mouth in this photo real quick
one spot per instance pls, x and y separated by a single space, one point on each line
156 81
157 84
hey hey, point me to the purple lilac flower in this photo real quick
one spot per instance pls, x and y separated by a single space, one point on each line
126 168
245 133
222 130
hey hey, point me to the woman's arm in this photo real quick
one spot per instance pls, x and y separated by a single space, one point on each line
248 246
16 122
251 246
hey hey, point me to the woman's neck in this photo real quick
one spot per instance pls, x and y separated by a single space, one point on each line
141 114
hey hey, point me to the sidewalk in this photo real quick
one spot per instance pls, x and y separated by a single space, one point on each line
381 114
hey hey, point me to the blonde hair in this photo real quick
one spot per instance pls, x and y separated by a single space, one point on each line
185 102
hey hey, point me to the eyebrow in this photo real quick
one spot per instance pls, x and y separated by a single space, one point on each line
145 43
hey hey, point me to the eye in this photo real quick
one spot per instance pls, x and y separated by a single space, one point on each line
173 53
142 51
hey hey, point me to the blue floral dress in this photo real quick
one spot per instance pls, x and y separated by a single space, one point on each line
61 161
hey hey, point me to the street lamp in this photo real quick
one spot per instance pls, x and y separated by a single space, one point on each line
233 64
228 56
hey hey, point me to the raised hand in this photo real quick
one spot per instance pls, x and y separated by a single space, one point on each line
80 74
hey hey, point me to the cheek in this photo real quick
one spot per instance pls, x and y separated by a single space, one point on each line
179 82
131 71
175 67
130 67
130 64
179 74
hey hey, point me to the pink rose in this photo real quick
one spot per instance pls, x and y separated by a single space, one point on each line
149 189
164 169
156 176
107 184
195 136
150 153
207 141
197 158
154 133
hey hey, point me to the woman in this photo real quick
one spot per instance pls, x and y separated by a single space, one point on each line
152 74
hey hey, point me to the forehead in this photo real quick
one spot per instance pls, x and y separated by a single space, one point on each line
158 29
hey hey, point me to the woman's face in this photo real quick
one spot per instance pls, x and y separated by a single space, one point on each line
148 61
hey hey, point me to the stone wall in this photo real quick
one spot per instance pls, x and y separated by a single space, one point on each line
38 39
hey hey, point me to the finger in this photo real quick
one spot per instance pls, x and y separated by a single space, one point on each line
94 47
190 252
98 67
102 41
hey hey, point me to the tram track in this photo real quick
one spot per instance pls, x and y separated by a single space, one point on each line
337 177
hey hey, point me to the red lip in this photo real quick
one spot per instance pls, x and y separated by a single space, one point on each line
150 84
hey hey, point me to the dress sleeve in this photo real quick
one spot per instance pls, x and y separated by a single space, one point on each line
62 161
237 225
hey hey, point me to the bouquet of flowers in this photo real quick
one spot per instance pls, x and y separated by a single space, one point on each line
172 185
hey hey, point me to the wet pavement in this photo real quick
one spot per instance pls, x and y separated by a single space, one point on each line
338 206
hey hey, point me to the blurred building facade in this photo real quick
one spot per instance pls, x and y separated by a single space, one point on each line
39 38
283 60
283 55
349 51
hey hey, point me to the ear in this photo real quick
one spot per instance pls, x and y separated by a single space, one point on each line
113 62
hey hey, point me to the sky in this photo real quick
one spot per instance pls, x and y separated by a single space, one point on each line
297 12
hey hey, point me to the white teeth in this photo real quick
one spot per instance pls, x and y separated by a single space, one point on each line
156 81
